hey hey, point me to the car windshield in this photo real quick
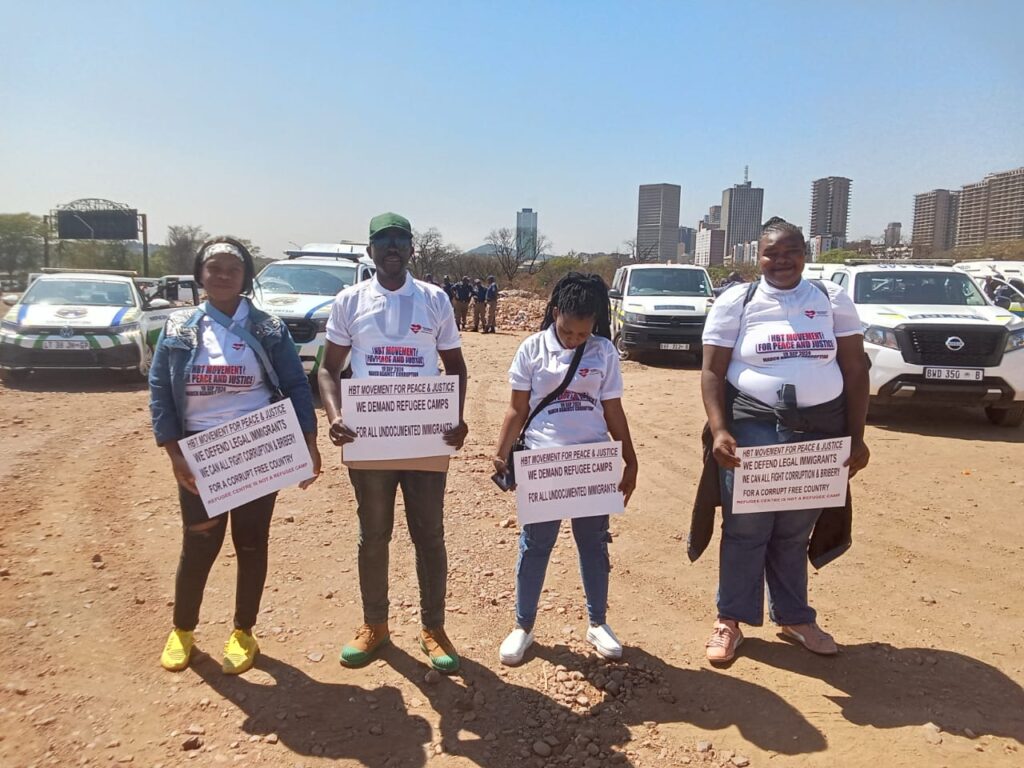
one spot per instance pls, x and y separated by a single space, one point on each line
668 282
313 279
83 293
917 288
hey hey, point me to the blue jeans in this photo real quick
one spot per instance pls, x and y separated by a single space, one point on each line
764 546
535 544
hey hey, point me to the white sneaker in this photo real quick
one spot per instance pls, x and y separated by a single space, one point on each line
605 641
514 646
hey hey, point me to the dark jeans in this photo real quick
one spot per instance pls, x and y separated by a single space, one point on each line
423 493
250 532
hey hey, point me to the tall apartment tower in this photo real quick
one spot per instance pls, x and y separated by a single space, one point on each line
991 209
526 234
935 215
657 222
830 207
892 233
742 205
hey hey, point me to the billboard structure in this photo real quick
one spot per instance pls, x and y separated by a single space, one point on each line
96 219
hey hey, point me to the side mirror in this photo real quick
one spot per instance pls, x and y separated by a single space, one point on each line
10 299
159 304
614 293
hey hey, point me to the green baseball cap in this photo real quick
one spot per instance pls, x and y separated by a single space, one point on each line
383 221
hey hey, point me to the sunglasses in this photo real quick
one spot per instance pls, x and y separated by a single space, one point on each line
400 242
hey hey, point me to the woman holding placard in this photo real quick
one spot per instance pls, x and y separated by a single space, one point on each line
212 364
783 362
574 344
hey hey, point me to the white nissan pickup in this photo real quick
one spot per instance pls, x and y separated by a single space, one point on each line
931 336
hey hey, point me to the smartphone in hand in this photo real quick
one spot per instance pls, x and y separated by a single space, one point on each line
503 481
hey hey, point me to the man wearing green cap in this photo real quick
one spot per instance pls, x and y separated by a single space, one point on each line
395 325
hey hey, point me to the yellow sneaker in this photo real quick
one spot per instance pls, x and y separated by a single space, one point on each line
177 651
239 652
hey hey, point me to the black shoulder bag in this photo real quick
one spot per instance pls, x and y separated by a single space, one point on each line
507 480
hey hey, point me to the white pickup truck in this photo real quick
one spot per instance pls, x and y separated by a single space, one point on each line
932 336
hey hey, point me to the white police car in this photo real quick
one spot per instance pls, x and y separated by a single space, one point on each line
932 336
301 289
81 319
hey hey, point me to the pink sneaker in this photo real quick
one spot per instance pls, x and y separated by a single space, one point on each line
812 637
725 639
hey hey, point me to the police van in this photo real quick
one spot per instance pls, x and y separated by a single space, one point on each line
659 307
80 320
301 289
932 336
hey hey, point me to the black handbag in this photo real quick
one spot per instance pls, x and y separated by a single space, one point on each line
508 479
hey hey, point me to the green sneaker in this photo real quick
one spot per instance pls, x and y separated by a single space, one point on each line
439 649
369 639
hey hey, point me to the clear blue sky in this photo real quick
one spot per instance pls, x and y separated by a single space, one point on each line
299 121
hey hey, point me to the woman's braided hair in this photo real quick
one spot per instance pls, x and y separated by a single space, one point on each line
580 295
778 225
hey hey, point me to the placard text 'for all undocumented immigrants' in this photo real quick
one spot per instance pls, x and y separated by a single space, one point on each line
248 457
572 481
805 475
397 417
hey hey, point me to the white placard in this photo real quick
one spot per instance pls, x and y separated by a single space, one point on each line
248 457
804 475
399 417
574 481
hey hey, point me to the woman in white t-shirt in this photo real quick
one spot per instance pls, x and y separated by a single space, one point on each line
587 411
783 362
212 364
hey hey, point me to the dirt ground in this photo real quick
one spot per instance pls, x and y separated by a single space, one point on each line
928 607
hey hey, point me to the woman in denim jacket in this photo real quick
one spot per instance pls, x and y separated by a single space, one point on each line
205 373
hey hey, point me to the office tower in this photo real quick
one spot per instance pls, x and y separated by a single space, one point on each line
715 216
687 239
709 250
526 235
892 233
830 207
657 222
741 214
992 209
935 215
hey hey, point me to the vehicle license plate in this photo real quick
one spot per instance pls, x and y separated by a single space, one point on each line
955 374
675 346
65 344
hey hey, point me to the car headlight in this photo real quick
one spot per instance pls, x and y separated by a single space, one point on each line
9 325
1015 340
881 337
124 328
320 323
635 317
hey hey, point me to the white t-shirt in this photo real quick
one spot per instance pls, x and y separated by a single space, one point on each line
393 333
783 337
226 380
577 416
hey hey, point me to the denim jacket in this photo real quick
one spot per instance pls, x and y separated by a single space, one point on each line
176 352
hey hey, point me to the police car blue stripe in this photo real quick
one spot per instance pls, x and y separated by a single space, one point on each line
22 311
309 315
120 314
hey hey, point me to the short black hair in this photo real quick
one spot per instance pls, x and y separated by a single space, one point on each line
247 261
580 295
778 225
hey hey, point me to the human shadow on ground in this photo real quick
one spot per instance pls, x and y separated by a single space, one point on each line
495 723
889 687
705 698
314 718
958 423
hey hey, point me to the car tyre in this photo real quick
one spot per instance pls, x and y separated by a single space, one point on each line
624 352
9 376
1006 417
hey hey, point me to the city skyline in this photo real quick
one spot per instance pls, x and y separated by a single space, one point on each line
285 143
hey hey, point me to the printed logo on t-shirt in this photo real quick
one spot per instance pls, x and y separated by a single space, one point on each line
391 360
572 401
584 372
813 313
417 328
206 380
813 344
239 345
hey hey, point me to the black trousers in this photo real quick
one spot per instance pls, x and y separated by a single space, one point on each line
250 532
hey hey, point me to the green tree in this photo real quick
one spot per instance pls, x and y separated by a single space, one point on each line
21 242
838 256
180 252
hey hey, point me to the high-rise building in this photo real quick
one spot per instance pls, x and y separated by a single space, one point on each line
892 233
830 206
935 215
741 214
526 235
687 239
709 250
992 209
657 222
819 244
715 216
